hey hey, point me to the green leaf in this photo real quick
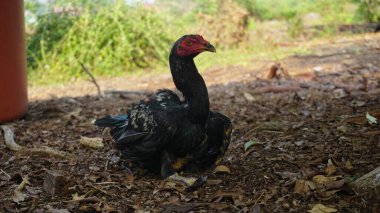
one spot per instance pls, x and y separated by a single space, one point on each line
249 144
371 119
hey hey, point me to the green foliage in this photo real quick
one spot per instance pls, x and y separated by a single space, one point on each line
209 7
109 41
295 27
337 11
48 34
369 10
112 37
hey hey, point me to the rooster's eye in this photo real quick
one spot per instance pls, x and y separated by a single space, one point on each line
188 43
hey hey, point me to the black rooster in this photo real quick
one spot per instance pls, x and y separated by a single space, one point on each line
167 135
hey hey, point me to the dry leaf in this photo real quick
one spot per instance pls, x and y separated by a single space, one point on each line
233 195
303 186
322 179
249 144
348 165
327 194
320 208
9 139
249 97
222 169
330 169
323 182
213 182
92 142
76 197
335 184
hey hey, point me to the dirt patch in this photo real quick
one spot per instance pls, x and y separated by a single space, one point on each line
288 135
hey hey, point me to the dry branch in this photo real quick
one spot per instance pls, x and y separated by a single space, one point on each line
93 80
9 139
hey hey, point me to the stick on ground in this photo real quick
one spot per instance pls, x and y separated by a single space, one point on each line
93 80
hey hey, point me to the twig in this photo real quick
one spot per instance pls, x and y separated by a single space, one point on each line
104 183
43 152
93 80
257 200
2 171
103 191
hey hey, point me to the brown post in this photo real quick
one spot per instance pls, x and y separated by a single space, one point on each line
13 88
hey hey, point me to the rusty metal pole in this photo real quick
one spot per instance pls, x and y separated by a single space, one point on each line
13 86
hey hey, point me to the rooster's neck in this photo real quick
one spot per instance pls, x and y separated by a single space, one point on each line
187 80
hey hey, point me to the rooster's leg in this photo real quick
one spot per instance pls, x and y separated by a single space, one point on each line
168 172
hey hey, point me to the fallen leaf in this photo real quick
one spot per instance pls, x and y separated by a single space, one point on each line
348 165
309 173
92 142
232 195
249 97
323 179
330 169
9 139
249 144
213 182
173 199
304 186
334 185
128 181
320 208
370 118
77 197
327 194
222 169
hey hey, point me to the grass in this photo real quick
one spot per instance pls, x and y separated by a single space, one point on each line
118 39
109 43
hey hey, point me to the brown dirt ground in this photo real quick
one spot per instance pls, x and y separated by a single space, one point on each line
311 124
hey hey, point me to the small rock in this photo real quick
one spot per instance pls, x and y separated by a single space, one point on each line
299 143
55 182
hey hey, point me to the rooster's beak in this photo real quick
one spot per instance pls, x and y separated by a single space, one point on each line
210 47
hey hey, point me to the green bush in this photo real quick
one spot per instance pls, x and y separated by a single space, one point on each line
109 40
369 10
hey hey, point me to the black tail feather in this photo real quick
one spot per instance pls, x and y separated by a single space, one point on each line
112 121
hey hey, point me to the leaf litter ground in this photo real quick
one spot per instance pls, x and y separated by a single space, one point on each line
300 138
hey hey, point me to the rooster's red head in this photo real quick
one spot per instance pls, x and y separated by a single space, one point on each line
192 45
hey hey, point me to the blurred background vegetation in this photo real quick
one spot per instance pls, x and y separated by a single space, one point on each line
114 37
